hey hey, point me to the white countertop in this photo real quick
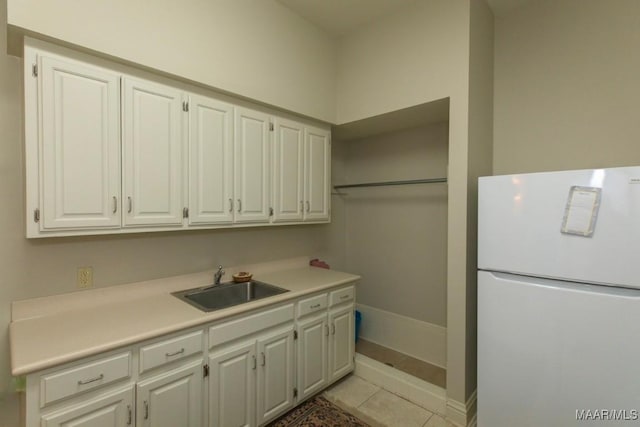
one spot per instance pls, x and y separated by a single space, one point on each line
50 331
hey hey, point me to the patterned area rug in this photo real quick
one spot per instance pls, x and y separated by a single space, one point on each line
317 412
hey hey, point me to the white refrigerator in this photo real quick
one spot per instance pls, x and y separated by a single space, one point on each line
559 299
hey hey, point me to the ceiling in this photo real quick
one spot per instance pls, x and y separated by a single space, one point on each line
339 17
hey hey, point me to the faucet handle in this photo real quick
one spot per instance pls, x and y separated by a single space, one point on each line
220 269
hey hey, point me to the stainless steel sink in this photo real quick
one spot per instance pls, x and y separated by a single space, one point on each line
216 297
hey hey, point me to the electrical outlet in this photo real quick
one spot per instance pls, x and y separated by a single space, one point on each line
84 278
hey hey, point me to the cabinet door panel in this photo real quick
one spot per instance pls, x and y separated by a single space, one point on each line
342 343
152 154
171 399
232 387
275 375
312 360
288 171
109 410
210 161
80 110
318 174
251 166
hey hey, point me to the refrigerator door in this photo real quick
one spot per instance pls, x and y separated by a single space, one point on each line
520 219
552 352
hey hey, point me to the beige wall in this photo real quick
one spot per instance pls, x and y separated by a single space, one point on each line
32 268
417 55
414 56
567 86
397 236
256 49
479 162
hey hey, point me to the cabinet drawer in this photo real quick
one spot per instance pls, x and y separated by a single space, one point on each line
342 295
312 304
230 330
84 377
170 350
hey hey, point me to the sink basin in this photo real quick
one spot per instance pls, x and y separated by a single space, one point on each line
217 297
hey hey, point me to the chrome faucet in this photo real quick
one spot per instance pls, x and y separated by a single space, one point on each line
218 275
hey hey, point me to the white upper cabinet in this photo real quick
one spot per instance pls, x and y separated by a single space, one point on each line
318 174
108 151
288 171
210 161
79 145
301 182
251 166
153 153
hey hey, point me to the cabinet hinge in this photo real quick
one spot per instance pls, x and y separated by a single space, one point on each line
270 211
295 392
185 212
271 127
34 70
36 215
205 371
295 335
185 106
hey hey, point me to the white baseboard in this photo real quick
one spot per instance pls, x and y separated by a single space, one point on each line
462 414
422 393
422 340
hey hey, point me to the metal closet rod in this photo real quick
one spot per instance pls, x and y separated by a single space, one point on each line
385 183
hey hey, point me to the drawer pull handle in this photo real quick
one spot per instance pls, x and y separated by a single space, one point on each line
175 353
255 363
315 306
91 380
264 359
129 415
333 329
326 328
146 410
345 296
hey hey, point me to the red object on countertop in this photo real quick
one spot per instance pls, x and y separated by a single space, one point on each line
317 263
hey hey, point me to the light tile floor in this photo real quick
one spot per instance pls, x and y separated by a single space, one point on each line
378 407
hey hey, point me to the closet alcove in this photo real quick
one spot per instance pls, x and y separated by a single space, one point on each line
389 197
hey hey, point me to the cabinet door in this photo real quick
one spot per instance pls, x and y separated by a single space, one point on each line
153 154
275 375
80 145
232 387
210 161
312 355
318 174
288 168
341 343
113 409
251 166
172 398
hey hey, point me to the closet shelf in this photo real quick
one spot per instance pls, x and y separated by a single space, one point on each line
387 183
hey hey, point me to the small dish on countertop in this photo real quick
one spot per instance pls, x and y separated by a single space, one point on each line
242 276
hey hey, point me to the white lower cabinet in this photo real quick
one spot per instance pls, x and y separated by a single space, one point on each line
114 409
232 386
275 375
259 366
252 382
171 398
326 341
341 342
312 350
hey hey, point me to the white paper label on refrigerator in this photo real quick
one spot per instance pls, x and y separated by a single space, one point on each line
581 211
